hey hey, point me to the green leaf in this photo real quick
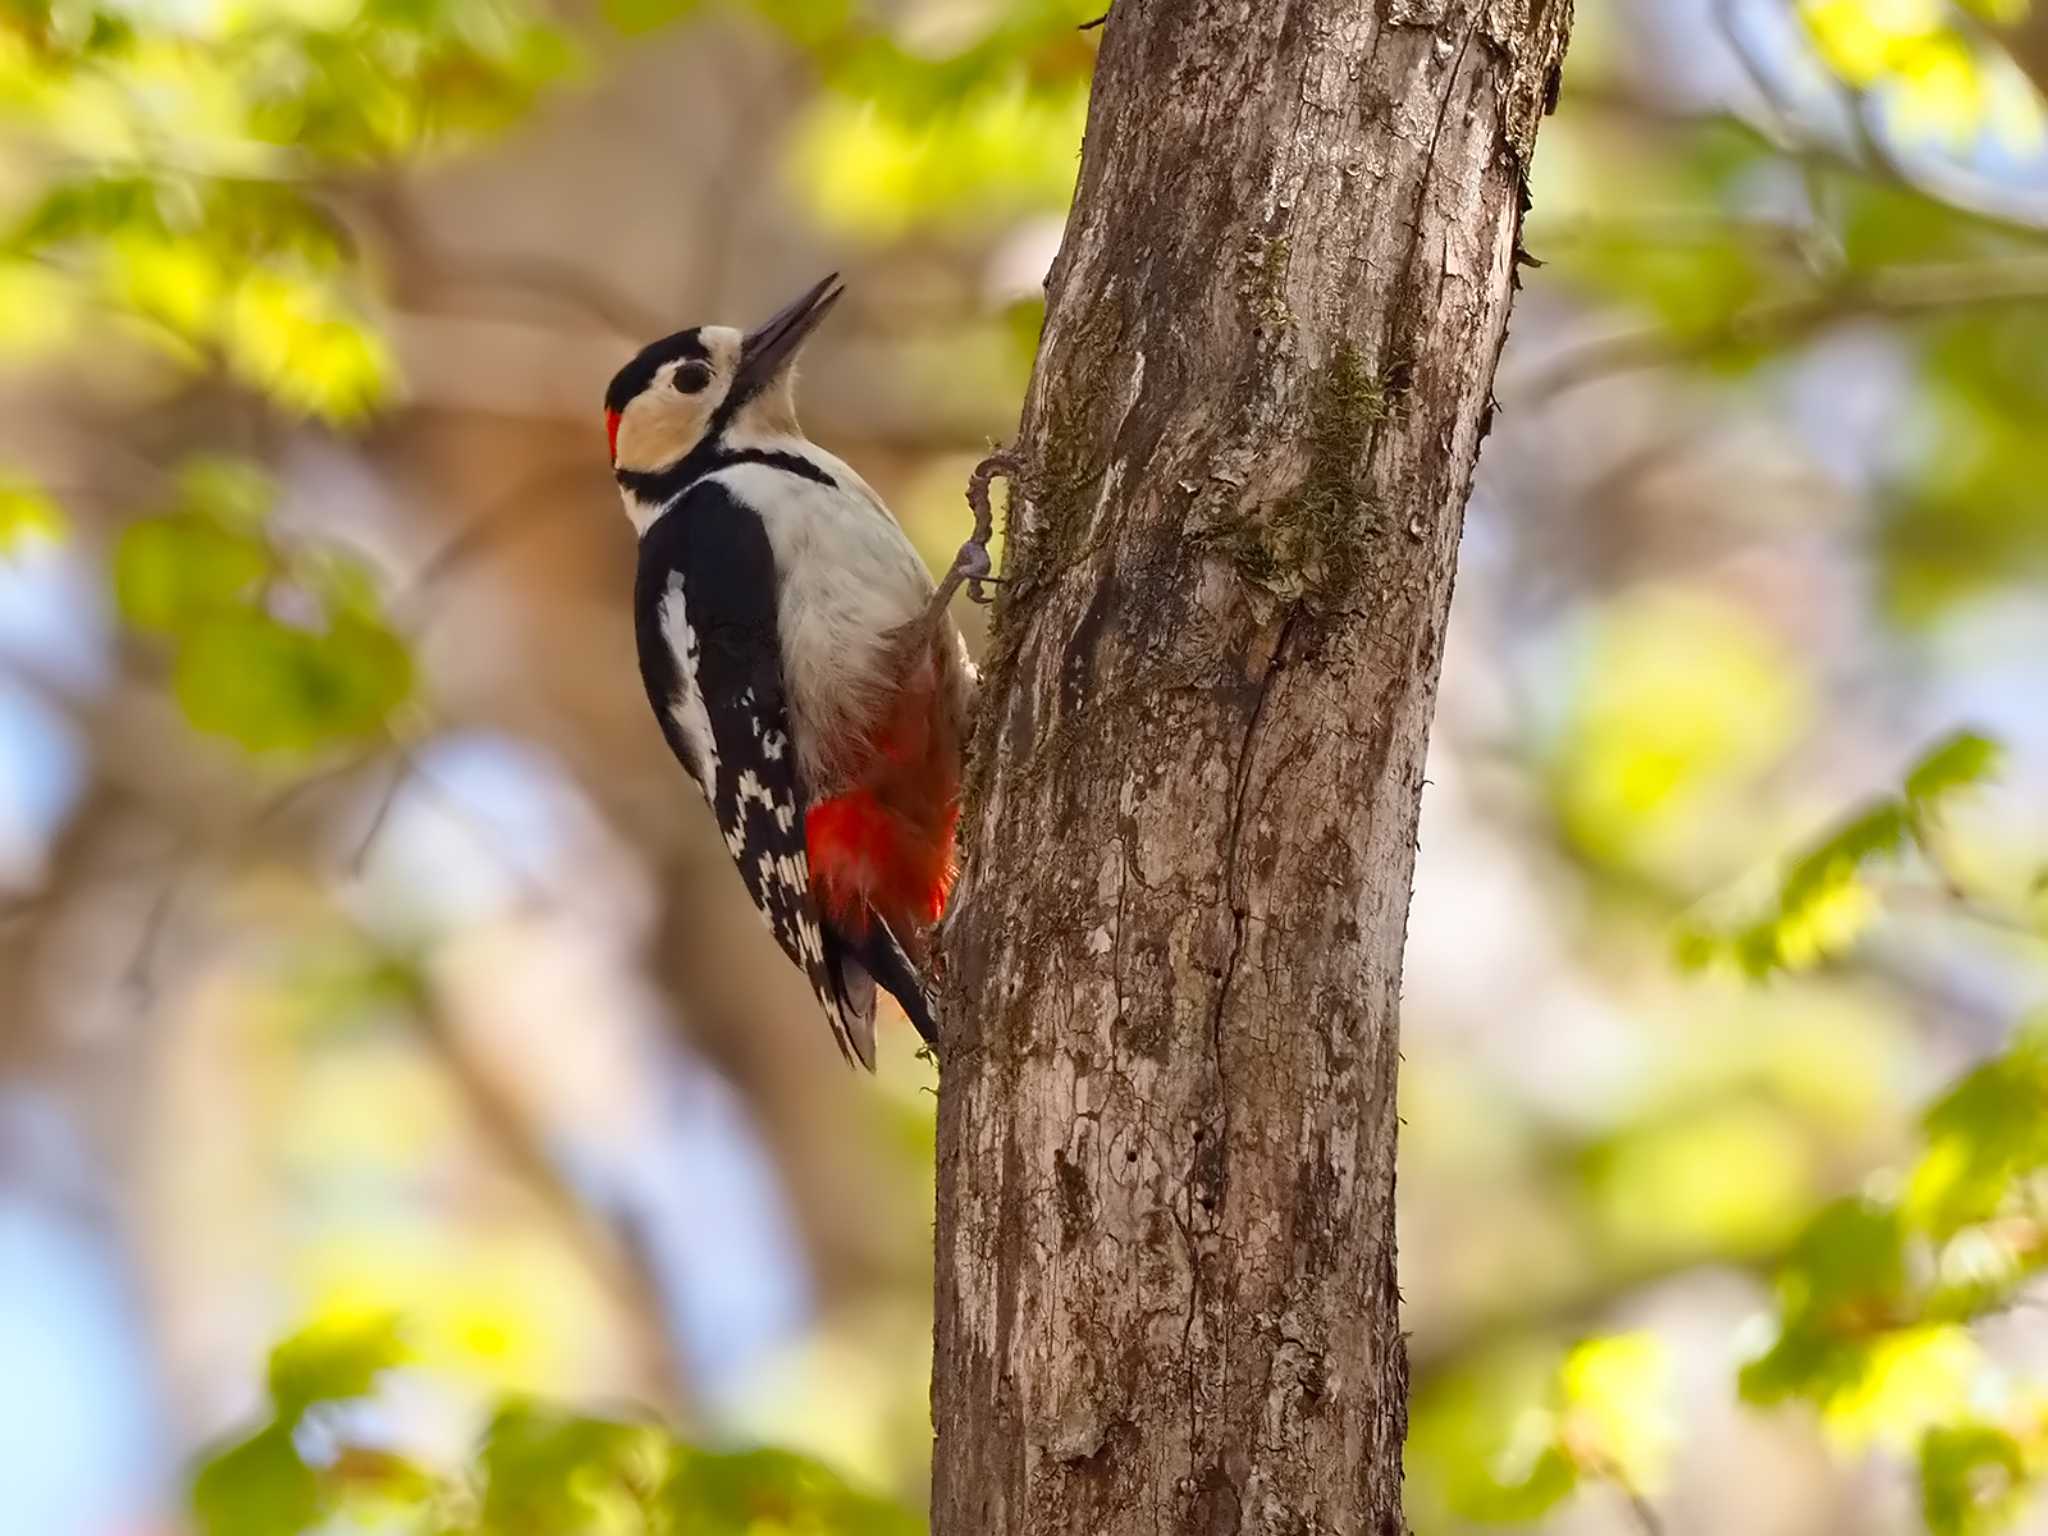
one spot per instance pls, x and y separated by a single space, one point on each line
334 1360
1914 1378
1878 831
88 208
1615 1395
1824 901
1722 1178
257 1487
274 688
1961 761
295 337
1967 511
1679 704
775 1493
1984 1135
636 17
27 517
1850 1258
1838 1290
171 572
1823 904
545 1471
989 157
1694 287
233 493
1484 1440
1972 1477
1033 45
366 673
203 575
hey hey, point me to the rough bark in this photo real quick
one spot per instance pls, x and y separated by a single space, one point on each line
1166 1281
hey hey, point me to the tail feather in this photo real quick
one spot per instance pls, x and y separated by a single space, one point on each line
881 959
852 1004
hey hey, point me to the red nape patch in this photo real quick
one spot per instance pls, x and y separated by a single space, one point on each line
611 432
863 854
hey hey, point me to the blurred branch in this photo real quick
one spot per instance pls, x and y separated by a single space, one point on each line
567 284
1968 196
1876 153
1861 108
611 1251
1577 1308
140 977
1894 292
510 514
2025 41
380 816
1954 892
544 277
1729 22
183 865
752 137
1648 1521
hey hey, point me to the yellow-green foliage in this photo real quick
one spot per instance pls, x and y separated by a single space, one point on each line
207 580
1511 1436
536 1472
1826 899
27 516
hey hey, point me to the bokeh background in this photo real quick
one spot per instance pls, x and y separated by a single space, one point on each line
403 1118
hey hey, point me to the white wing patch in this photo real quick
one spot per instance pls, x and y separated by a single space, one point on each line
781 807
687 709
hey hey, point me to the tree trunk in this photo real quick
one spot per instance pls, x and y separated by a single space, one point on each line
1166 1283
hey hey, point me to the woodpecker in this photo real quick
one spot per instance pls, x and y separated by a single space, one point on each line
799 658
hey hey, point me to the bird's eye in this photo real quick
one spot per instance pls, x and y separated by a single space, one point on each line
691 377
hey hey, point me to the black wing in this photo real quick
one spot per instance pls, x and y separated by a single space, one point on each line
705 617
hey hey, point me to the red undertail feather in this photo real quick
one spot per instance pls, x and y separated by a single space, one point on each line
887 843
864 854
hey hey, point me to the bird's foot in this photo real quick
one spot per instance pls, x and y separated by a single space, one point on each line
974 563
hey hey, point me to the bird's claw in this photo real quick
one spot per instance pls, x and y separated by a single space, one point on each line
973 565
974 562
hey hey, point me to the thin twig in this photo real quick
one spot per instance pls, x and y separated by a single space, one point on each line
1595 1462
1728 22
1952 893
1647 1518
1897 291
380 817
616 1260
140 977
565 283
533 892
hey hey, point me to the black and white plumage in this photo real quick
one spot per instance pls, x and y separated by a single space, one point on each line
782 625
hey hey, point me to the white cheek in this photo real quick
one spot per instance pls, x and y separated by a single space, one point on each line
660 428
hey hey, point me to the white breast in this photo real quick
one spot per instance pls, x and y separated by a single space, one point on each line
849 581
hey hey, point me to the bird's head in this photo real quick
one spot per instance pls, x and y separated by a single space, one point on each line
707 385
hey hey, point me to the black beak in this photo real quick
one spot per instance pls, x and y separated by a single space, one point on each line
768 348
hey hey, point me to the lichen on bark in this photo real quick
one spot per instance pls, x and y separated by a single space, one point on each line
1308 546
